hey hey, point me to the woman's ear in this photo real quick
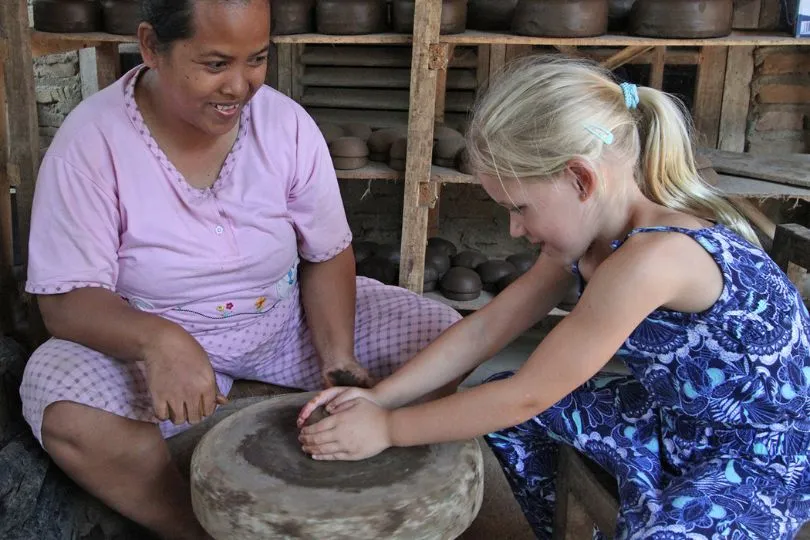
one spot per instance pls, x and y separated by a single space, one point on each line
584 178
148 44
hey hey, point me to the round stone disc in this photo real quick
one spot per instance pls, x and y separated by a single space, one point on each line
251 480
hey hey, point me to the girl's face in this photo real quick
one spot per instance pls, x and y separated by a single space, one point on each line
551 213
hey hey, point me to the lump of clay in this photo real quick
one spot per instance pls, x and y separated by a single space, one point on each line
398 152
380 141
349 153
331 132
469 259
446 150
448 247
378 268
363 250
437 258
461 284
522 261
357 129
431 278
388 252
492 271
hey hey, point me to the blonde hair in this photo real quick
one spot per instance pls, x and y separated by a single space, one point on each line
543 111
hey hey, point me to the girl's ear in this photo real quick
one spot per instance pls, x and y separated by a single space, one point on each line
584 178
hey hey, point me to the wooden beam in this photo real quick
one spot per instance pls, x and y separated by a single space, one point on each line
755 216
746 14
285 68
297 73
426 60
497 58
709 94
659 55
482 67
736 99
769 14
625 55
108 64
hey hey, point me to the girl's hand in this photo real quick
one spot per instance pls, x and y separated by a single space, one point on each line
358 431
333 400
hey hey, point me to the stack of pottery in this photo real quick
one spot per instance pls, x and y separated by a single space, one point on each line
686 19
619 14
292 17
351 17
398 153
331 132
349 153
380 142
121 16
561 18
447 145
453 19
357 129
377 261
67 16
491 15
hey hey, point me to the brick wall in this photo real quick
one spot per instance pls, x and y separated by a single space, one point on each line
779 118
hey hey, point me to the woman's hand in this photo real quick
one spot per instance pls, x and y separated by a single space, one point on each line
334 400
180 377
358 430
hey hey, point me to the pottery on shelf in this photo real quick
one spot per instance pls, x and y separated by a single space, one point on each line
121 16
522 261
331 131
67 16
380 141
357 129
363 250
505 281
453 17
349 153
398 153
561 18
469 259
436 257
687 19
431 278
490 15
388 252
492 271
289 17
461 284
463 162
446 150
380 269
351 17
448 247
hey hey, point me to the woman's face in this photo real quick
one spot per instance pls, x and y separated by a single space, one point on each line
209 77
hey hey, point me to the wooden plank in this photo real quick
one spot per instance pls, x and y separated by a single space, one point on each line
769 14
755 216
420 141
373 171
737 37
746 14
497 58
624 56
517 51
108 64
6 238
385 100
791 244
657 67
709 94
43 43
786 169
297 74
285 68
736 99
373 77
600 504
482 69
370 56
271 79
370 39
23 133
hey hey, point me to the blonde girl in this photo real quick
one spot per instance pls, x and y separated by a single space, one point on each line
708 438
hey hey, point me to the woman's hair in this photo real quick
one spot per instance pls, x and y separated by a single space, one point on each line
172 20
543 111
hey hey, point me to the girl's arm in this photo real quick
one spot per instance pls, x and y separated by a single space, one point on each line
478 337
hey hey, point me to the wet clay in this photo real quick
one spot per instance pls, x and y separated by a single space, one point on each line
344 377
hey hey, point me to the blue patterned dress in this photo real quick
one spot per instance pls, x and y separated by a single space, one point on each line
709 437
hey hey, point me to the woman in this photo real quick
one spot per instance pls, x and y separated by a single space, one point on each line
171 215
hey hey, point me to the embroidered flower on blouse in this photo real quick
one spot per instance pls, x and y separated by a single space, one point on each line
260 303
226 310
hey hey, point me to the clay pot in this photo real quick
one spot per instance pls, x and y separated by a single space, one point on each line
331 132
357 129
292 17
431 279
363 250
349 163
67 16
398 153
380 141
121 16
453 21
561 18
437 258
469 259
389 253
619 14
505 281
348 147
463 162
351 17
380 269
491 15
522 261
681 18
440 131
493 271
448 247
446 150
461 284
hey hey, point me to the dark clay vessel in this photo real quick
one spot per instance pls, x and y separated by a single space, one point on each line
363 250
522 261
492 271
469 259
67 16
682 18
561 18
121 16
619 14
461 284
448 247
378 268
453 21
351 17
292 17
437 258
491 15
388 252
431 279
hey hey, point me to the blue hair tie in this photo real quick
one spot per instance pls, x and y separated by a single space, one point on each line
630 92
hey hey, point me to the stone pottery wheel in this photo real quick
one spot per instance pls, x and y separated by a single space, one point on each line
250 480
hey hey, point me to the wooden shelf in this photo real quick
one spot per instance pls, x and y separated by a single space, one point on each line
373 171
388 38
738 37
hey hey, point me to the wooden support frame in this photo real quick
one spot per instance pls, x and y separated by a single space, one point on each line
709 94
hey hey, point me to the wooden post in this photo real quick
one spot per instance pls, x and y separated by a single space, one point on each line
426 61
497 58
709 93
108 64
736 99
23 130
659 56
285 68
297 72
438 115
7 287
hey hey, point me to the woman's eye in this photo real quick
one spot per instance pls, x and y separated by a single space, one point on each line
216 66
260 60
